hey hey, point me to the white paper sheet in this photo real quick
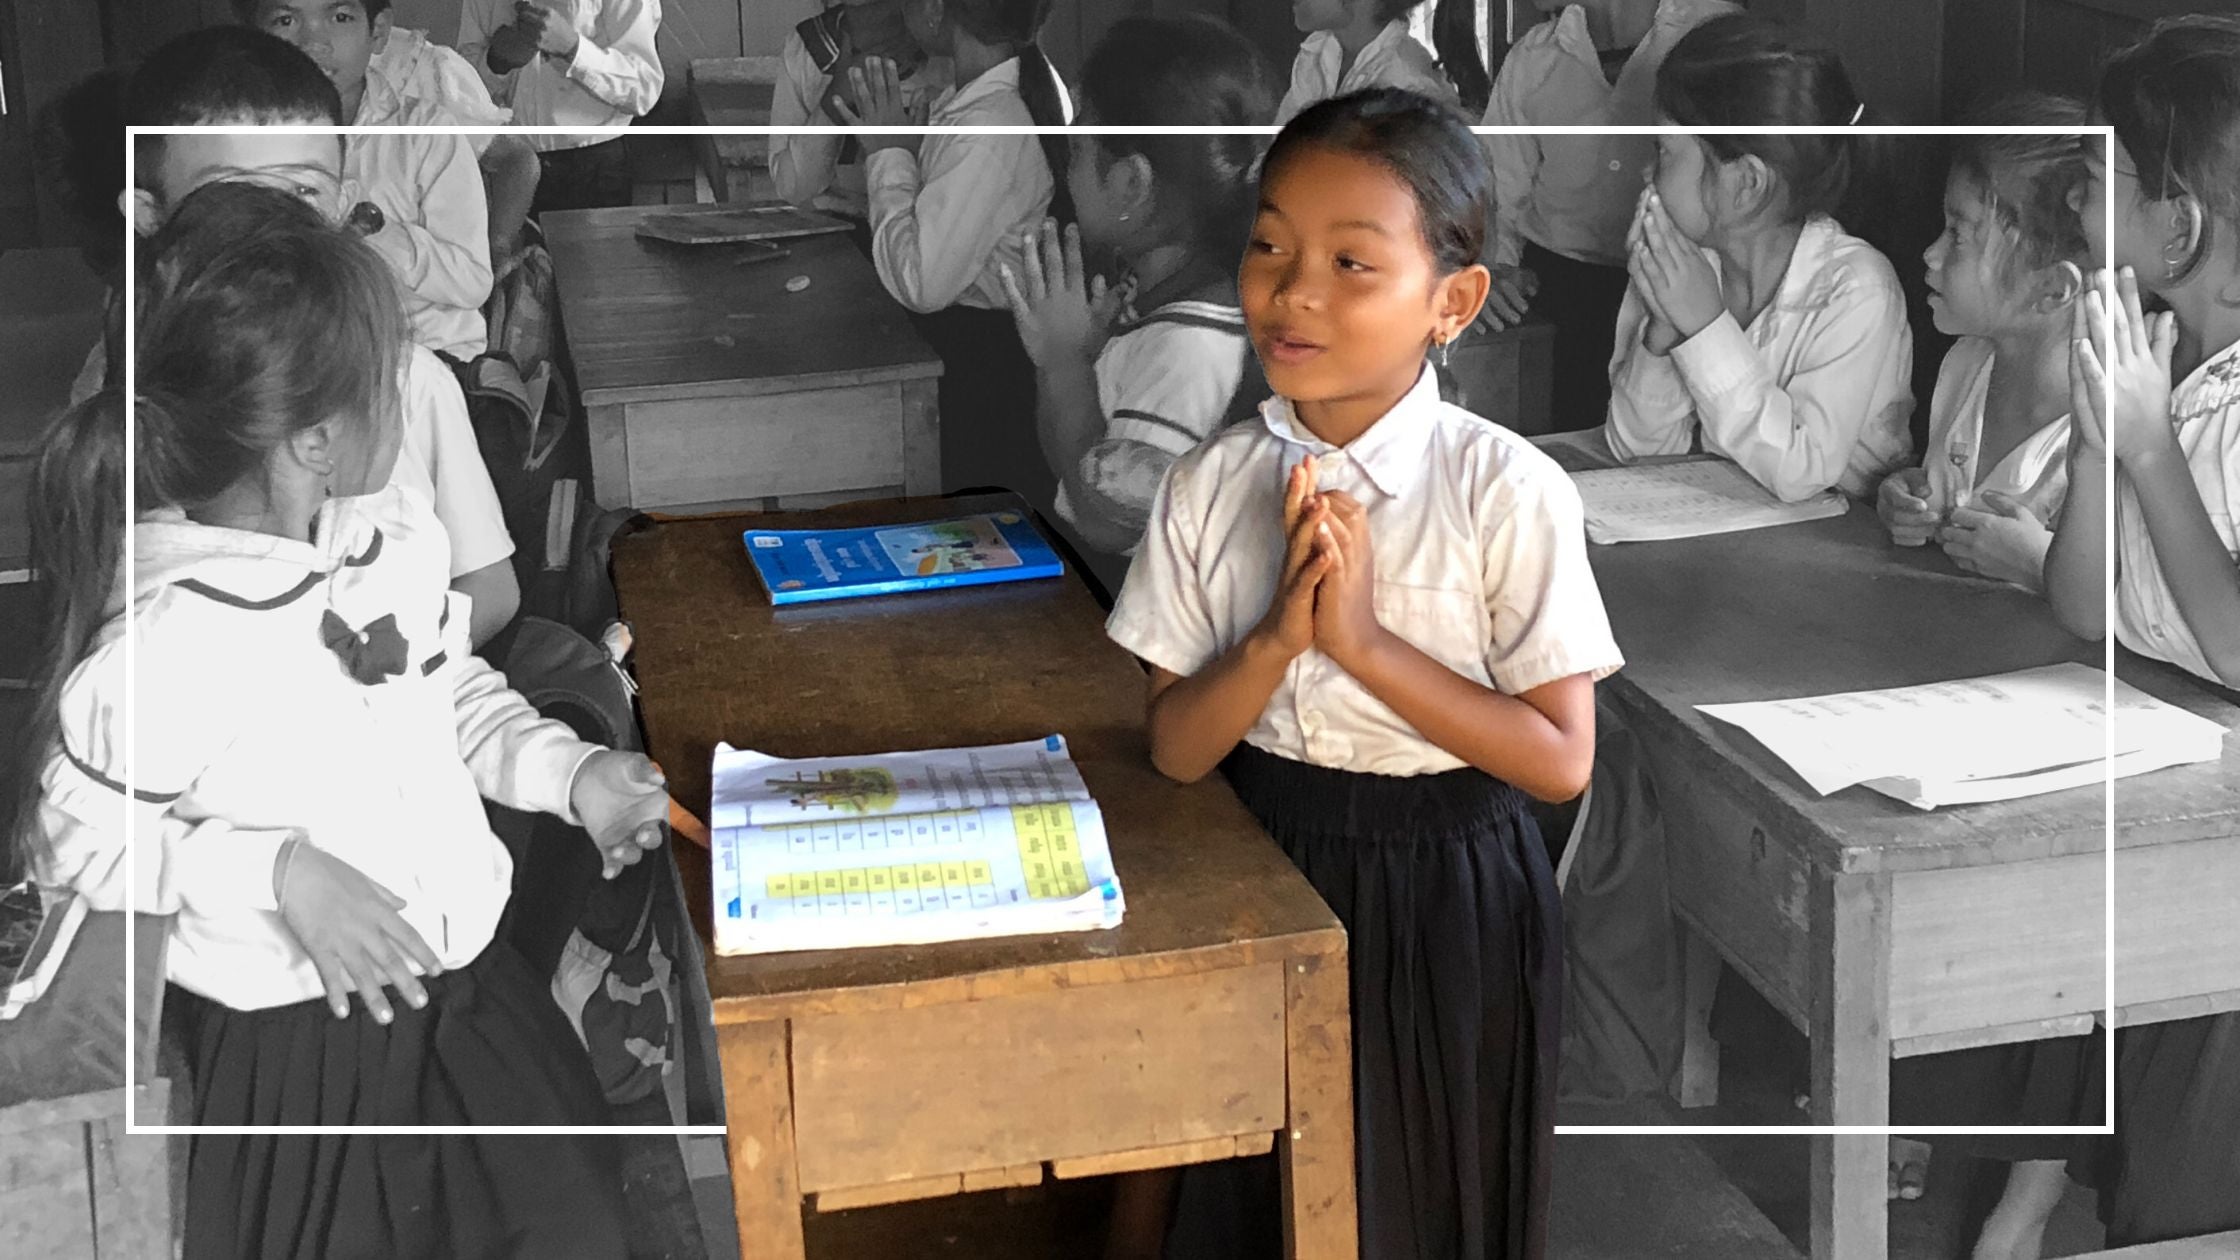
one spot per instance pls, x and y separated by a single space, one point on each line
1687 499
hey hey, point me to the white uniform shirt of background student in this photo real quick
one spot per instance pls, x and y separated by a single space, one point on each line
1481 564
1390 57
2205 410
614 76
805 166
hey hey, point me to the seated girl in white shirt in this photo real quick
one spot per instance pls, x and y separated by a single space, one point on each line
1355 44
822 168
1375 611
1132 376
1753 320
270 599
948 211
2172 1169
2001 278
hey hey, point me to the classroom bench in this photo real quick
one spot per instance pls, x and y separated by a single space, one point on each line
706 385
1876 928
1213 1022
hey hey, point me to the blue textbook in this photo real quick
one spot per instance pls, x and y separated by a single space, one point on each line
801 565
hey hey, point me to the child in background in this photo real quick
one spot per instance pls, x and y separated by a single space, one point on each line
822 169
1561 202
569 63
424 72
267 601
1753 319
1120 393
232 75
948 212
1374 609
434 225
2002 278
1355 44
2172 1169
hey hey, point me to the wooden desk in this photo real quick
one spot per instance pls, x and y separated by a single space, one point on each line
706 385
50 315
1210 1023
1876 928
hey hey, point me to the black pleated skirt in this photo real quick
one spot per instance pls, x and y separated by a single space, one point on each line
2172 1169
2056 1081
490 1048
1454 935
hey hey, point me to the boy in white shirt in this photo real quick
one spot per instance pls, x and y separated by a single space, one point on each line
824 169
434 221
569 63
1353 44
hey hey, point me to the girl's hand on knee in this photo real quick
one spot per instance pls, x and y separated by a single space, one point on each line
350 927
623 801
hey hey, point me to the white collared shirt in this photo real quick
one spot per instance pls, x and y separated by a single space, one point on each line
442 463
614 77
1393 59
1573 195
2034 474
435 232
421 69
231 672
1817 392
946 221
2205 407
1481 560
806 166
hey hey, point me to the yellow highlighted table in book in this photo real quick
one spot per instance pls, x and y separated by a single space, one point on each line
906 848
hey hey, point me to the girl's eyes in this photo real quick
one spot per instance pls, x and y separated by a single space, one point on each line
1261 246
1347 262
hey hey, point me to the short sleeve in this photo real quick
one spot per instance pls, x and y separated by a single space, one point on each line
457 480
1546 610
1162 614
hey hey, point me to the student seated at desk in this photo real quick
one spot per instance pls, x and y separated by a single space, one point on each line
433 224
1559 227
1374 611
948 211
822 169
2172 1169
2002 278
1753 319
1356 44
229 74
270 598
1132 375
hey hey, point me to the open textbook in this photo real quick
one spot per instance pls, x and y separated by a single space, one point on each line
1977 739
1686 498
906 848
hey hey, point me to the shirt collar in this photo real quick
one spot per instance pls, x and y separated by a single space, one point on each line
1390 452
1001 77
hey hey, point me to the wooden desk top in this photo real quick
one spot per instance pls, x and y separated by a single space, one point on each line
1205 886
649 320
50 315
1831 606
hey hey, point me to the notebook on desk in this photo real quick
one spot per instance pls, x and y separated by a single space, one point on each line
738 223
1687 498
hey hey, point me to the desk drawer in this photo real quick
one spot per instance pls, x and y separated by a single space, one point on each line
1007 1081
714 450
1990 948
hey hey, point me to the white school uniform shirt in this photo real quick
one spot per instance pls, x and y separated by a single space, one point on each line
1574 195
945 222
1164 383
419 69
1816 392
1481 560
1393 59
2205 407
614 77
442 463
806 166
2034 474
435 232
249 730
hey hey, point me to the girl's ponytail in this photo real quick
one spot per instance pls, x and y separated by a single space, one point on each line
1454 35
77 508
1045 96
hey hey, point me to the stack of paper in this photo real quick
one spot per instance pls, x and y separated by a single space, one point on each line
906 848
1977 739
1686 499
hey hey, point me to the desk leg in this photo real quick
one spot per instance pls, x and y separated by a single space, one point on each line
758 1124
610 455
1698 1083
1850 1064
1316 1148
921 437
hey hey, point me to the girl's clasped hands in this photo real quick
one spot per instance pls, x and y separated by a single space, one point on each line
1325 598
